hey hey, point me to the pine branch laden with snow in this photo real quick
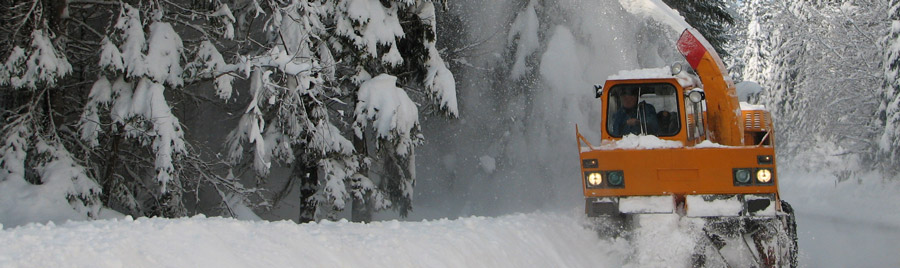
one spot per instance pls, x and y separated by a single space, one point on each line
59 187
132 139
163 57
136 62
211 64
100 97
62 176
394 117
390 39
341 182
41 65
439 80
524 34
143 111
15 144
369 24
133 41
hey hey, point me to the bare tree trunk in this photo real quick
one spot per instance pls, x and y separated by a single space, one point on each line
108 178
308 175
361 211
362 208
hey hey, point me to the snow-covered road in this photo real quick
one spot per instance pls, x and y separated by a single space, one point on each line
523 240
827 241
855 223
840 225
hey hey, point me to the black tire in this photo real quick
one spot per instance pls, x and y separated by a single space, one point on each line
791 225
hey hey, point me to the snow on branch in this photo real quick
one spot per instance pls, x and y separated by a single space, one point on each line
13 152
110 56
89 125
525 29
132 31
438 80
43 64
211 64
393 113
252 125
379 25
164 55
62 176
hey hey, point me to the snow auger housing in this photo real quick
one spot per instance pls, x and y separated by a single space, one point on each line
674 142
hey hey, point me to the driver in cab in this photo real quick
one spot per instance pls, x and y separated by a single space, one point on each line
633 117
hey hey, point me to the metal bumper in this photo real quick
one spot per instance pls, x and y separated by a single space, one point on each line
718 205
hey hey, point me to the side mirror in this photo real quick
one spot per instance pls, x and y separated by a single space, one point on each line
598 90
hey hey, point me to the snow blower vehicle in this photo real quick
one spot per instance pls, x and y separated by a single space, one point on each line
679 142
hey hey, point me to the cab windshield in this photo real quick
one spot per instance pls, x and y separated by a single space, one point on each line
642 109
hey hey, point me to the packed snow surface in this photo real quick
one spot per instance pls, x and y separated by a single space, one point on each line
523 240
830 215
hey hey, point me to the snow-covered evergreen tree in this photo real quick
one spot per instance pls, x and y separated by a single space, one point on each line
314 98
821 73
711 18
128 67
389 48
36 168
889 111
758 44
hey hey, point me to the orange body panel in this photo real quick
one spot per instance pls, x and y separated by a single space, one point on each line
679 171
723 107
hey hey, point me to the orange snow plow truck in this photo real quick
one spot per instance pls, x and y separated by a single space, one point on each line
679 142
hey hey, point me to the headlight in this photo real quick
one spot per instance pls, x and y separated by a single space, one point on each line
742 176
763 175
696 96
676 68
615 178
594 179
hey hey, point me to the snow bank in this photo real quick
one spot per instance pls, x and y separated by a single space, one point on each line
524 240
